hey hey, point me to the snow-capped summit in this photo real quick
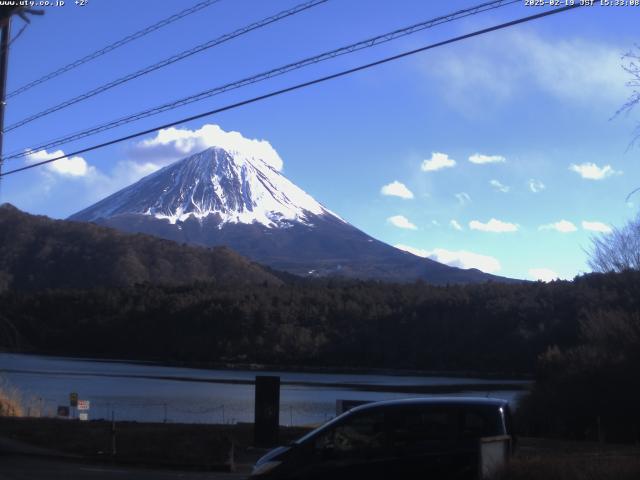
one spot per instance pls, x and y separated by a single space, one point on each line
231 186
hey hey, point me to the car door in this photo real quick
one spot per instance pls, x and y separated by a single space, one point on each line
354 448
422 440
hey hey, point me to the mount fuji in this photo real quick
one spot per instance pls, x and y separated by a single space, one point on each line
224 197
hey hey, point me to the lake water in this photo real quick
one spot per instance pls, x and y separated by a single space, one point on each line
155 393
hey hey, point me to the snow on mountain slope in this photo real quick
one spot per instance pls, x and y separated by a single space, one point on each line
233 186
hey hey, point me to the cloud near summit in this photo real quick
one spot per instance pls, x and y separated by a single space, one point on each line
172 144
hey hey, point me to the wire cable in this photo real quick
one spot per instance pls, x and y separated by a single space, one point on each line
368 43
109 48
300 86
168 61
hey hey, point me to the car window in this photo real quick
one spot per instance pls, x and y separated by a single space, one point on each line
360 434
481 423
420 429
474 425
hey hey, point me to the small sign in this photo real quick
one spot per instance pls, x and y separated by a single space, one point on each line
83 416
63 411
73 399
83 404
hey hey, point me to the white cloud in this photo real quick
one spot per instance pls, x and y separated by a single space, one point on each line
480 159
171 144
596 227
457 258
493 225
591 171
536 185
401 221
578 70
463 198
563 226
455 225
139 170
126 172
67 167
438 161
90 184
544 274
397 189
499 186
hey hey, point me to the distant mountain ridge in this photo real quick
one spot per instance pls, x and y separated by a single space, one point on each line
218 197
37 252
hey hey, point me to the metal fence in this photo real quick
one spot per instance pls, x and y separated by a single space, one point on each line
164 412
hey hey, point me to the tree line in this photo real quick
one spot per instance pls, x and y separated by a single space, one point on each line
490 327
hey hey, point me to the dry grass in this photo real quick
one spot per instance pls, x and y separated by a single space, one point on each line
574 467
10 401
200 445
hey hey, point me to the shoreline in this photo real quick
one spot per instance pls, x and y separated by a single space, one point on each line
257 367
452 388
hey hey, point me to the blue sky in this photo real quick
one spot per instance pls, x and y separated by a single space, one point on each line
498 152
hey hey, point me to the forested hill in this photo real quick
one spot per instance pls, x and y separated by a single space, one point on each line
491 327
37 252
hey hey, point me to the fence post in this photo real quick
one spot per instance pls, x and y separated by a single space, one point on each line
113 434
600 436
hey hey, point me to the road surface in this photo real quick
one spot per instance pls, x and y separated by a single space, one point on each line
17 467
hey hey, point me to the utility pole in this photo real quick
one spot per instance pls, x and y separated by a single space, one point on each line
4 64
5 22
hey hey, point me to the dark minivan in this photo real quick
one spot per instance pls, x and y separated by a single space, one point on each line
397 439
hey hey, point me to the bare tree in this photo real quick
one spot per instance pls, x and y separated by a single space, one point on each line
631 64
620 250
617 251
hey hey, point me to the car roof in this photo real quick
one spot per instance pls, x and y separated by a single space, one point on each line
408 402
435 401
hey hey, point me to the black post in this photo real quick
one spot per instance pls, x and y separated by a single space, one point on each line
113 434
267 411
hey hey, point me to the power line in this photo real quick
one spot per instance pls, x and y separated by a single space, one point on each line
109 48
368 43
168 61
301 85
